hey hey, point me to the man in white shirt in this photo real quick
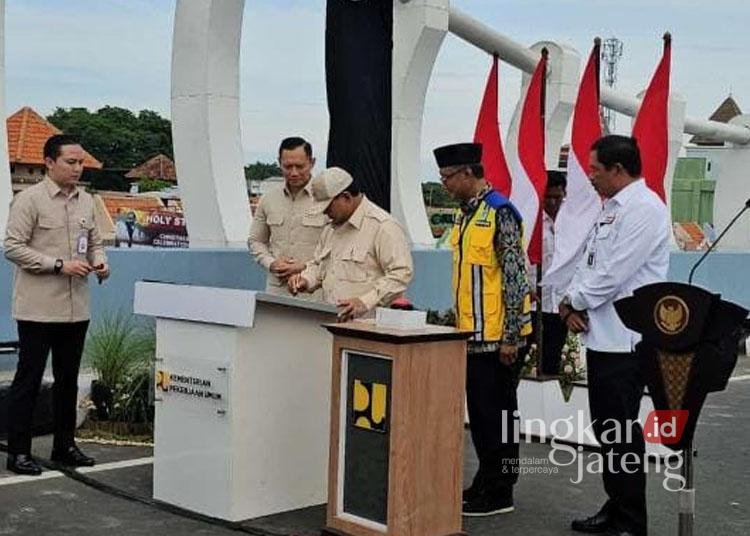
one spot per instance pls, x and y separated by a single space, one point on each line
554 330
627 249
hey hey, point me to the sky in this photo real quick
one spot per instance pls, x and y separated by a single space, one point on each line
93 53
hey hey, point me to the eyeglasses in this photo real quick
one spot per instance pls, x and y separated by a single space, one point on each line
446 178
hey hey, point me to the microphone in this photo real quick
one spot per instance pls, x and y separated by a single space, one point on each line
712 246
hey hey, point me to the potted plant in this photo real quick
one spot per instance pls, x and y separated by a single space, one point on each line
572 368
120 351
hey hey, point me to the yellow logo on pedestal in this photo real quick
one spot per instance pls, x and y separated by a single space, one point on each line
369 405
671 315
162 380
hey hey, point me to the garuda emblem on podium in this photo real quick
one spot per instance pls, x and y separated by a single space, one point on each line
671 315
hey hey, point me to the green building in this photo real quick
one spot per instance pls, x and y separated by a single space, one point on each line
693 191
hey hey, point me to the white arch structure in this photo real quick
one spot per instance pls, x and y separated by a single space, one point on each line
206 112
206 121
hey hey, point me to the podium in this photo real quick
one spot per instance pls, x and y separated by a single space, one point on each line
242 399
396 444
689 349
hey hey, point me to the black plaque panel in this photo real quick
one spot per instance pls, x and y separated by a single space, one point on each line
365 492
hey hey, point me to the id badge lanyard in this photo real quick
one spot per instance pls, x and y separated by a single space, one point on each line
601 232
82 241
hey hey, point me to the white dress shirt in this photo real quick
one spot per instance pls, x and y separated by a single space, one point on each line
548 250
549 305
627 248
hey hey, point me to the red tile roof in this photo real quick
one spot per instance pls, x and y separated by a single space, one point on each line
159 167
27 133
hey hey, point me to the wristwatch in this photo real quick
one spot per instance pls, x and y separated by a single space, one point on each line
58 266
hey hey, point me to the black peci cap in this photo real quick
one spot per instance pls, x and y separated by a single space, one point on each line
458 154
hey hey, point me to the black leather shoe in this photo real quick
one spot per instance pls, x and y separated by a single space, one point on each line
23 464
474 490
595 524
72 456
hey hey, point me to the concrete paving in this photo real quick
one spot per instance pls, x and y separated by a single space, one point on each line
545 503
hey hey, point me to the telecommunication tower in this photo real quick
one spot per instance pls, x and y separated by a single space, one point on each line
611 54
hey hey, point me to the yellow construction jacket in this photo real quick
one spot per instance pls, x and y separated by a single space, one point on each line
477 273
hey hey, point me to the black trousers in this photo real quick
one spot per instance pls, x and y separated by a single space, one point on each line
554 333
36 339
491 401
615 390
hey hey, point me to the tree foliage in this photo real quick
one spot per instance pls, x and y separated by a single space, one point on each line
435 195
261 171
105 179
152 185
117 137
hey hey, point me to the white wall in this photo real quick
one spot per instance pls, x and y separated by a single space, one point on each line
732 190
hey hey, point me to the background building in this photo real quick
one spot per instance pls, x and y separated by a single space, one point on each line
27 133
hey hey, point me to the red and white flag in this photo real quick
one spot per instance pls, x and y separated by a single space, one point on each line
527 166
582 204
488 134
651 127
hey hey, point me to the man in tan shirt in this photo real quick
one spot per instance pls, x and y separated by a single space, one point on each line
53 240
288 221
363 259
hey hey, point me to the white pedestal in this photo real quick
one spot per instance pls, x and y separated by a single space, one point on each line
243 390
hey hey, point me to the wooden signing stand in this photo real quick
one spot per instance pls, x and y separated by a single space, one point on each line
397 416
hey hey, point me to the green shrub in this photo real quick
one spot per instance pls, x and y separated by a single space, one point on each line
120 350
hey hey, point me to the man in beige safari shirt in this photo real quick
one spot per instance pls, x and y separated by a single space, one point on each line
288 221
363 259
53 240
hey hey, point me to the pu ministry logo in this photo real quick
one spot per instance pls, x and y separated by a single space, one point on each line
671 315
369 406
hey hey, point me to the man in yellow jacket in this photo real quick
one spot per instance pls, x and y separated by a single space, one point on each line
491 291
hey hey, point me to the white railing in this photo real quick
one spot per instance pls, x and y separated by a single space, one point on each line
493 42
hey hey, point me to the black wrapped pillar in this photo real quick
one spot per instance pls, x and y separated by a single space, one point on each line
359 46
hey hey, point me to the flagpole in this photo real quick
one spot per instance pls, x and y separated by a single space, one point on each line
686 511
540 267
